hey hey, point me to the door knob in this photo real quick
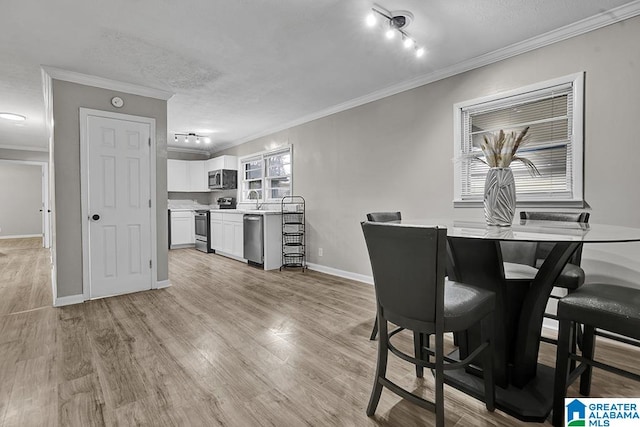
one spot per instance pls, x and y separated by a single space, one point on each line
95 217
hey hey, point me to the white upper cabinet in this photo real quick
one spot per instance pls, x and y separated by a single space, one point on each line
187 175
198 176
178 175
222 162
193 175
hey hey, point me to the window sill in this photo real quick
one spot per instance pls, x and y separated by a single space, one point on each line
576 204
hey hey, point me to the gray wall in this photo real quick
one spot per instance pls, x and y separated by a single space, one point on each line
396 153
67 99
20 199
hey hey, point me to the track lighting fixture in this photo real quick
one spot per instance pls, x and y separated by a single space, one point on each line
188 137
394 24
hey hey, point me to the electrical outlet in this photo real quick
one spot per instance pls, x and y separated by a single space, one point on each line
320 252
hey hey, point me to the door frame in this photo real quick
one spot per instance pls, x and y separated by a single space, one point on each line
46 217
85 113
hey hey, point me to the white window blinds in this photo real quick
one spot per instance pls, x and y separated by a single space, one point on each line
555 130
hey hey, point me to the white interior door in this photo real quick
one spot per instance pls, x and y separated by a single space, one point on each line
118 205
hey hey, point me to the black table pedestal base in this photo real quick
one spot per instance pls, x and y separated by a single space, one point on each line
532 403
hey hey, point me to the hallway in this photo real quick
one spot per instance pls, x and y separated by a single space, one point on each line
24 275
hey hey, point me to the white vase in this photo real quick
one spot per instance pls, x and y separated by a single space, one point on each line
499 197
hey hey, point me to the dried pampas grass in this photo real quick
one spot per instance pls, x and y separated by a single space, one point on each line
500 150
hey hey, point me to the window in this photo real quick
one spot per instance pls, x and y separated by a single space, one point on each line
554 112
268 174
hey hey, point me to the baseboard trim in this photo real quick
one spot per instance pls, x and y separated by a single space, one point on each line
161 284
341 273
21 236
68 300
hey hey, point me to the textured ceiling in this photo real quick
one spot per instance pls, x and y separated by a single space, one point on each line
240 68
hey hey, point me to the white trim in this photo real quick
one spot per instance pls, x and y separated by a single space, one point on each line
161 284
84 185
576 79
575 204
21 236
47 92
586 25
576 82
187 150
101 82
261 156
68 300
341 273
23 148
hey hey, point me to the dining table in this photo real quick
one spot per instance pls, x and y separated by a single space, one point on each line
524 387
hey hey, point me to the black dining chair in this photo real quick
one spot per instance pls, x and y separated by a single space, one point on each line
408 265
608 307
381 217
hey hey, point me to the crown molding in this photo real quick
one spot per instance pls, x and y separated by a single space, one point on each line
23 148
187 150
586 25
101 82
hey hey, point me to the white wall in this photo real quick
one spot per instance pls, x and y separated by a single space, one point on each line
396 153
20 199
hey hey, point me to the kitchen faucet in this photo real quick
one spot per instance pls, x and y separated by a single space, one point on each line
257 197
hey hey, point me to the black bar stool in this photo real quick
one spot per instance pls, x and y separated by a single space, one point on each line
609 307
381 217
408 266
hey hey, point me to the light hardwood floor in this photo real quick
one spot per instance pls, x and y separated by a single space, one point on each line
227 344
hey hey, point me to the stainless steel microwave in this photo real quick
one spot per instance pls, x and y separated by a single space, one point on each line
223 179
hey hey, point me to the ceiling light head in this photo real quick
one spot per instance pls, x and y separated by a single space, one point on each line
12 116
419 52
408 42
371 19
390 34
400 19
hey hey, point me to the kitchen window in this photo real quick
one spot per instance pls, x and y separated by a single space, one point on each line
268 174
554 112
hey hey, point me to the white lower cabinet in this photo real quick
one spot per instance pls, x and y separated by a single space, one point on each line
227 233
216 231
227 237
182 228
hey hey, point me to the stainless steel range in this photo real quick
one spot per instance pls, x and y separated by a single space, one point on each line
203 231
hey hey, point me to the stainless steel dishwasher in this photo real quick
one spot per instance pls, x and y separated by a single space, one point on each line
253 226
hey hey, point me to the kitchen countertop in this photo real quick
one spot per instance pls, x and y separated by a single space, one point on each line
249 211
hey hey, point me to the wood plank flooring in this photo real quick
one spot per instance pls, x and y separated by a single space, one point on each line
226 345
